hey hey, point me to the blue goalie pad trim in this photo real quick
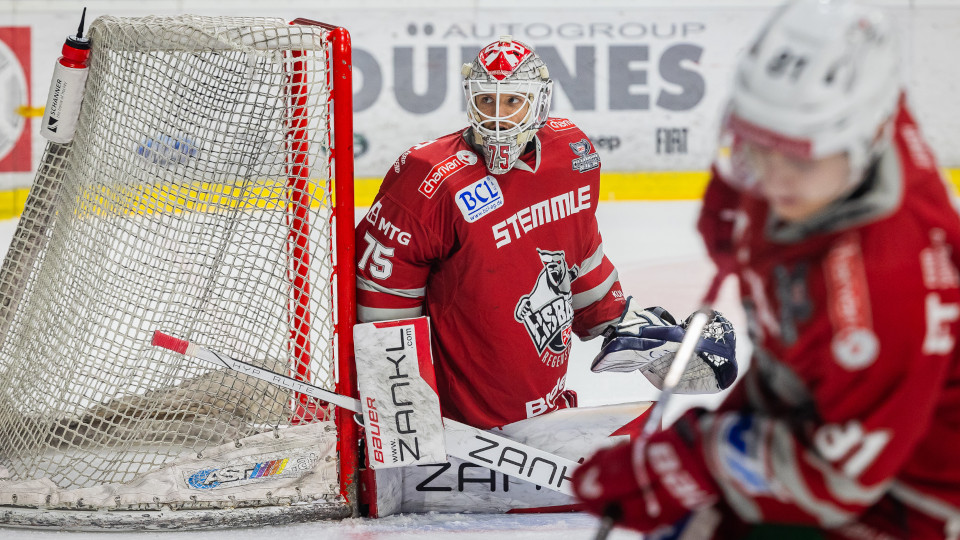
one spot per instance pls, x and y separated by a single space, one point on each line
719 355
675 334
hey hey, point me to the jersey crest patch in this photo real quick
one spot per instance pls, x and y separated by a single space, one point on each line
585 160
479 198
448 167
547 312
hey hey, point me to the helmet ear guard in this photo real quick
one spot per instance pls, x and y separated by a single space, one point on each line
543 111
506 67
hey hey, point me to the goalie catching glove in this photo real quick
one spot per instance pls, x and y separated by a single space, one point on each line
647 340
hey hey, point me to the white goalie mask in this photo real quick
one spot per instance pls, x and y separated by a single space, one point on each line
507 88
822 78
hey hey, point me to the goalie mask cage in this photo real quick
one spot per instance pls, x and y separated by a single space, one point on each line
208 194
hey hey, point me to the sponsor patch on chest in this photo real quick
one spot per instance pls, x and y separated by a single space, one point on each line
449 166
479 198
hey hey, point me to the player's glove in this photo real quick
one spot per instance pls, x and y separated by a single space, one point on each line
677 479
647 340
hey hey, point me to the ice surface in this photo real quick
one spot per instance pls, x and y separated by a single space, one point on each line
567 526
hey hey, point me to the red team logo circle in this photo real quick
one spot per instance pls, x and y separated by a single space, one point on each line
14 142
502 58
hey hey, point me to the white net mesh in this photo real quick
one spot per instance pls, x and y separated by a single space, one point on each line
195 199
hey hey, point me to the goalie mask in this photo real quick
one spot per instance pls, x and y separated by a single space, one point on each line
821 79
507 88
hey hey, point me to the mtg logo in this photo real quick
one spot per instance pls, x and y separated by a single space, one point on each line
547 312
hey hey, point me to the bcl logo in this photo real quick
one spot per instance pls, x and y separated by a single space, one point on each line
479 198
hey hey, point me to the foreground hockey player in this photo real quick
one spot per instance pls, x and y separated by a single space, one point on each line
491 232
835 219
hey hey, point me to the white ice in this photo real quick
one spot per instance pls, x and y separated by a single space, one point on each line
660 260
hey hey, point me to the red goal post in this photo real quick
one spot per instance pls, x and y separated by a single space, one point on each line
340 143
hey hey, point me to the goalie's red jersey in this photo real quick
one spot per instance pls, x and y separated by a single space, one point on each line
505 266
855 378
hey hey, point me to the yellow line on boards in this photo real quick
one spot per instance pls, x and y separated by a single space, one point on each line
653 185
953 178
27 111
12 201
630 186
614 186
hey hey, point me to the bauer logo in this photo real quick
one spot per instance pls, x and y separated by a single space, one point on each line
444 169
479 198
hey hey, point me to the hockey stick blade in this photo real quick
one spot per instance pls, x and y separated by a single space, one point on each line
468 443
166 341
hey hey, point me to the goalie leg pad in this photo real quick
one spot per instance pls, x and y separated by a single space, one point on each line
398 394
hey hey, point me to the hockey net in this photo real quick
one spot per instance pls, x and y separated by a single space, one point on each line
197 198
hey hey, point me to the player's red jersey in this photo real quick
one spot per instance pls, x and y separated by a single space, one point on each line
505 266
855 378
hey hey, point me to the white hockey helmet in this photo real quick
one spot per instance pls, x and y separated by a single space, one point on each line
512 68
821 78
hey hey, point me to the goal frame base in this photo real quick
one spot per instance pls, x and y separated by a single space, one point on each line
169 519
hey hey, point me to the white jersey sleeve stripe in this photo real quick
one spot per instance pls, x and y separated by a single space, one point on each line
369 314
598 329
845 488
367 285
786 470
592 261
925 503
585 298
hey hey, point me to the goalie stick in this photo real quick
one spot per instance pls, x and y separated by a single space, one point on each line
698 322
462 441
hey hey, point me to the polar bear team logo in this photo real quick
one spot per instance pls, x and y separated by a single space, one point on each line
547 312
